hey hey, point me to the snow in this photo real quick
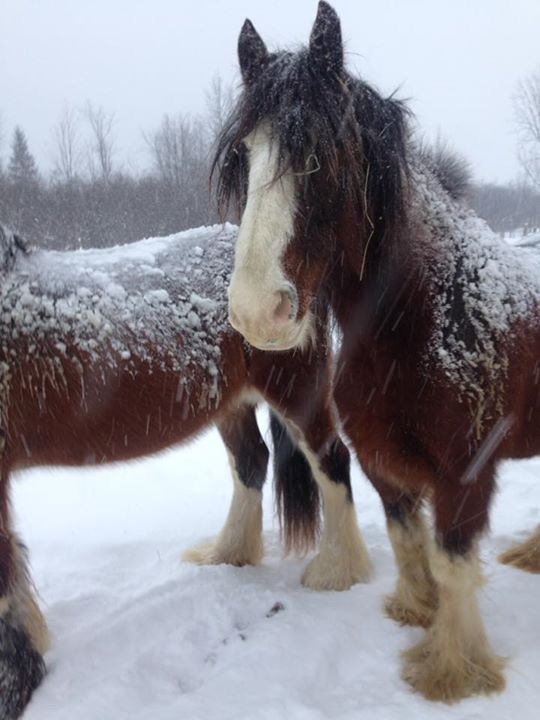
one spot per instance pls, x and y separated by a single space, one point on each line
485 292
116 311
138 634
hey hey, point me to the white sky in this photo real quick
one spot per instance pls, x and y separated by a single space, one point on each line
459 62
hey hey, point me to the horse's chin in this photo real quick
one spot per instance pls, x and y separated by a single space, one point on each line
272 345
299 337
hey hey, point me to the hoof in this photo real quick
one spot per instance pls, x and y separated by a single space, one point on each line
416 613
449 680
213 554
525 556
21 671
323 573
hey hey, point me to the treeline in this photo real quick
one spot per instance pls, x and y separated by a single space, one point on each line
104 206
87 201
507 207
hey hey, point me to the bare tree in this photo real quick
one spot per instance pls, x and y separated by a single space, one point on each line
219 102
527 111
178 149
68 154
101 147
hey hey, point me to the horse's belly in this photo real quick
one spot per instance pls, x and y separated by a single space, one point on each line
110 416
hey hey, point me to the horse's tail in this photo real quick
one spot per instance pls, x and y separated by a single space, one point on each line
296 492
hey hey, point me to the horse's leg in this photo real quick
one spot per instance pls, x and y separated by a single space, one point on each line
240 541
526 555
23 632
415 598
455 659
342 560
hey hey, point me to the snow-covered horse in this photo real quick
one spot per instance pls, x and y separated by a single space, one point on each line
112 354
438 374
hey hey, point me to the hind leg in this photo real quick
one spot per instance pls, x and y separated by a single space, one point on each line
415 598
240 541
23 632
526 555
455 659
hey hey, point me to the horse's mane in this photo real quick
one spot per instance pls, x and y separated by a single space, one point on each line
11 245
451 169
322 121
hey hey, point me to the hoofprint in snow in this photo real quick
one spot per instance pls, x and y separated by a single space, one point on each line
138 634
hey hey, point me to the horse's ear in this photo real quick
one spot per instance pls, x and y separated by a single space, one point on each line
252 52
325 43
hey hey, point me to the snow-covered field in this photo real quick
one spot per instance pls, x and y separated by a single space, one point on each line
139 634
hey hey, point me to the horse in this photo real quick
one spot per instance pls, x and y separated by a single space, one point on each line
112 354
438 373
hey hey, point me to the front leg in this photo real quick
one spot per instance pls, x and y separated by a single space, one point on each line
299 387
342 560
455 659
415 598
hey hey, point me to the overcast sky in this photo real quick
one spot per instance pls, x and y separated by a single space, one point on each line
458 61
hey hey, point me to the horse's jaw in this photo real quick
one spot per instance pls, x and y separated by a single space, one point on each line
300 335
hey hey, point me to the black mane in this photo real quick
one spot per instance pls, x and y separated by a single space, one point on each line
451 169
324 122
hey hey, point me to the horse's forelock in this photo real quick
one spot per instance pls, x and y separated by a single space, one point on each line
330 121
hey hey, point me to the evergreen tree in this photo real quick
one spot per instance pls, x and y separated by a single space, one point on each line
22 166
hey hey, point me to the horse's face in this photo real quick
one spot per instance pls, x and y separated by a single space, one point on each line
276 273
279 261
309 152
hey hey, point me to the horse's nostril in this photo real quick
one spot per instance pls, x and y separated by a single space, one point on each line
286 308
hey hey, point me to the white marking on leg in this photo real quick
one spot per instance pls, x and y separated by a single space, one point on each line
343 558
240 541
415 599
455 660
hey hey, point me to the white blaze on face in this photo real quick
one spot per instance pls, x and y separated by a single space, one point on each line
261 299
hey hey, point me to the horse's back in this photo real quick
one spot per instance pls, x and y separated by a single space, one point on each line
125 350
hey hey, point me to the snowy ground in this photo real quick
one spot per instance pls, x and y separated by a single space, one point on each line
138 634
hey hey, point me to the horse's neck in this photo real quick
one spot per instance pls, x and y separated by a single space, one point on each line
368 291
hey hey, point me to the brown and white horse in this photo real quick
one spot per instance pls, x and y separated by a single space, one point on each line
113 354
438 376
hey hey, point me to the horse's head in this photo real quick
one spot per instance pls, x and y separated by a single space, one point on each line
304 148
